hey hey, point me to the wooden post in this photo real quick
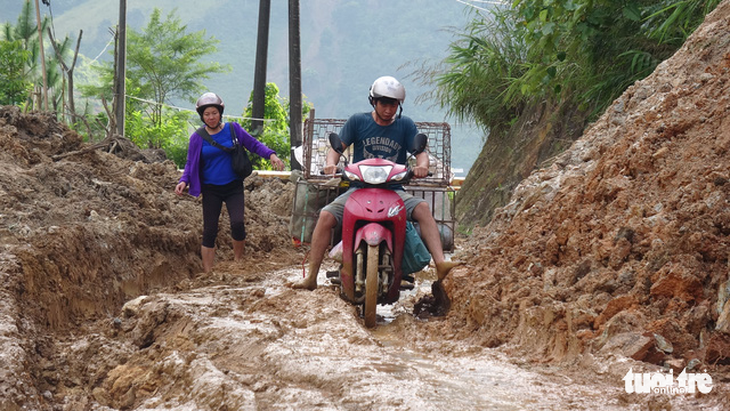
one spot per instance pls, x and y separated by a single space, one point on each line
43 56
259 79
295 82
120 69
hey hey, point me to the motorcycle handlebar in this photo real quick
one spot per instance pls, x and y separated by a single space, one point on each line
339 172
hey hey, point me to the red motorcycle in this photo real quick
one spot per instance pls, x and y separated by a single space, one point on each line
373 231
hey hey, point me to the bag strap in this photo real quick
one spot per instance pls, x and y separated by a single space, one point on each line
202 132
234 138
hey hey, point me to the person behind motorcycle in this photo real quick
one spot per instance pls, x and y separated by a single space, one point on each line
382 133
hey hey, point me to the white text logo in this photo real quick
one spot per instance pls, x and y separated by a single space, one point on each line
664 383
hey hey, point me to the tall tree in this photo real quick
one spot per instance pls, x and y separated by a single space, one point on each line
165 62
62 48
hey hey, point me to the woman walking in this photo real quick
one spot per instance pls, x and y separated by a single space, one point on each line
208 171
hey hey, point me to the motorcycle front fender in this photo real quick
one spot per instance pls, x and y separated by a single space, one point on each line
374 234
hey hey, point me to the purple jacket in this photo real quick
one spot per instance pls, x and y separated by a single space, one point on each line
191 174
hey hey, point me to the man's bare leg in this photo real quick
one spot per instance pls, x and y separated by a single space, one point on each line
208 256
320 240
432 238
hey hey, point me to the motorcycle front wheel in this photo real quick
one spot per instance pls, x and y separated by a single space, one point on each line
371 286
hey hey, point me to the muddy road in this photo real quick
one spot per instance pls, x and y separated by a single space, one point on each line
240 339
607 273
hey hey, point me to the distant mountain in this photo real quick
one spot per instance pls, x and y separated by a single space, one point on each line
345 46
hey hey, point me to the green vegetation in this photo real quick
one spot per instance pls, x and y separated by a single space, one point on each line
275 133
20 68
14 86
163 63
573 52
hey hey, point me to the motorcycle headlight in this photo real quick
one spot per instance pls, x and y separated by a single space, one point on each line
375 174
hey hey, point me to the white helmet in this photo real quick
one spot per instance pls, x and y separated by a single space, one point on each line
389 87
209 99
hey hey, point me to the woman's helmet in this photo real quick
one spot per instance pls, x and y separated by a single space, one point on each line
209 99
388 87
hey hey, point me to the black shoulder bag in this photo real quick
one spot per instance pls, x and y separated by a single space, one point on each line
240 161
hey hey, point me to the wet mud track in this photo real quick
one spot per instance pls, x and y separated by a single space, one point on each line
237 340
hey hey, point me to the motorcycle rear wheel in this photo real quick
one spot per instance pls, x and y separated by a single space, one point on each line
371 286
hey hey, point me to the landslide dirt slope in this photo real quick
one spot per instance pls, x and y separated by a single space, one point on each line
621 246
83 231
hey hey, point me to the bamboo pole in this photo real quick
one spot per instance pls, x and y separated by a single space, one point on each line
43 57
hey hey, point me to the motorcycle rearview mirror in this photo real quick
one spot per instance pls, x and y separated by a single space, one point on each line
335 142
420 142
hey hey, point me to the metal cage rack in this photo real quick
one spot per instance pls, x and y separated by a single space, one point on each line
316 145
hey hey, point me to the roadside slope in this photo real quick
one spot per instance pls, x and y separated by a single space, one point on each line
621 246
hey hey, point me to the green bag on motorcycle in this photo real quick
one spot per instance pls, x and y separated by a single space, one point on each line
415 253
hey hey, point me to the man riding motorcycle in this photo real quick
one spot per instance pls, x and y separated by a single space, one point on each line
382 133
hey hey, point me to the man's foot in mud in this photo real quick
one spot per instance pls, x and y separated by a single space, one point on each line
442 300
435 305
305 284
443 268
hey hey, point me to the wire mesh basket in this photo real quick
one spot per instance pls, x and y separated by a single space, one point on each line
316 145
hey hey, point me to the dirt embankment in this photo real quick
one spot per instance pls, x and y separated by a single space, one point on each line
621 246
111 225
82 231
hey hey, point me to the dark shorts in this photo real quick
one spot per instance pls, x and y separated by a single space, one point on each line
213 198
